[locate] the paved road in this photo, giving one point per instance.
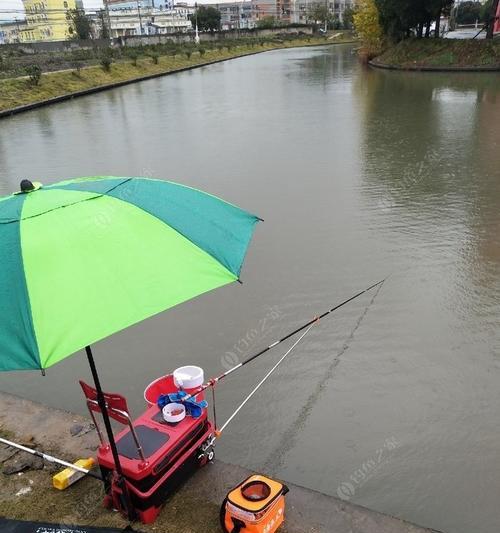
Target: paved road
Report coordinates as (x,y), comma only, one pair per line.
(465,33)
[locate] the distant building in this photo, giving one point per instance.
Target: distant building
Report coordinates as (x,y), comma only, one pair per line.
(336,8)
(170,21)
(285,11)
(248,14)
(10,31)
(235,15)
(148,21)
(146,4)
(264,9)
(496,28)
(47,20)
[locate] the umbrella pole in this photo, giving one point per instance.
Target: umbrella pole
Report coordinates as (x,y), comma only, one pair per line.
(109,430)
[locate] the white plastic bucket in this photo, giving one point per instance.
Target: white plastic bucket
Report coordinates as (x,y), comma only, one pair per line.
(174,412)
(189,377)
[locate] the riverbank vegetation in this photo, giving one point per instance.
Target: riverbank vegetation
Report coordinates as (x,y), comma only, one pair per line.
(441,53)
(409,34)
(90,68)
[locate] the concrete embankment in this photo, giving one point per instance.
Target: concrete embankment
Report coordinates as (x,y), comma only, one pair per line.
(194,508)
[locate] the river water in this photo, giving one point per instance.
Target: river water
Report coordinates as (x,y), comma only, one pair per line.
(394,402)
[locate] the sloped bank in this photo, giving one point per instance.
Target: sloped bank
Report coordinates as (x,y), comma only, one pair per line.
(441,55)
(17,96)
(194,508)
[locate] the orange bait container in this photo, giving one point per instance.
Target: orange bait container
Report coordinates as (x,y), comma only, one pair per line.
(257,505)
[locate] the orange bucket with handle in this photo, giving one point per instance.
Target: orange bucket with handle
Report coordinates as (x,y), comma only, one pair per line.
(257,505)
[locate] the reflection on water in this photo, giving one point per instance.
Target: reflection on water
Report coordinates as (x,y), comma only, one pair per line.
(358,174)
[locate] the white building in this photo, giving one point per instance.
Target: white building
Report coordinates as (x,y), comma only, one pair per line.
(148,21)
(132,4)
(235,15)
(10,32)
(336,8)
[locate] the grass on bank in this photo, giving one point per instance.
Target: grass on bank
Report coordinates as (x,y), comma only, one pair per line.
(31,496)
(20,91)
(461,53)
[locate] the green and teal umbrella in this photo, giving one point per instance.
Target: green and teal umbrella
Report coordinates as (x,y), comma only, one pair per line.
(84,258)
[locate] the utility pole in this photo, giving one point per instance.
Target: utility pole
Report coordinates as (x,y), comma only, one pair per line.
(18,36)
(139,13)
(327,13)
(108,18)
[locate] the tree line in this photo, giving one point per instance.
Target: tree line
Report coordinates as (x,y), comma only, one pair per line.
(402,18)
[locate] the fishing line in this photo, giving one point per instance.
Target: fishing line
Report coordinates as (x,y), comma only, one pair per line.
(261,382)
(215,380)
(275,460)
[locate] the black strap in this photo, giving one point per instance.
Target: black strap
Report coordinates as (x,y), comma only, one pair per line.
(238,525)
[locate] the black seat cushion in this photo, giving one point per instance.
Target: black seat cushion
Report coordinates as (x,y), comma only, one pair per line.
(150,440)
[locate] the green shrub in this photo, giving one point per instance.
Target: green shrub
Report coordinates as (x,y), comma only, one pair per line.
(77,72)
(154,57)
(188,54)
(34,73)
(83,54)
(106,62)
(202,51)
(133,54)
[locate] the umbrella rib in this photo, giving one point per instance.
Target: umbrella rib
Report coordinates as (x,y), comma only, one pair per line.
(97,195)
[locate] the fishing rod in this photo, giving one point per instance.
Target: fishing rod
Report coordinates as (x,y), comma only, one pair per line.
(50,458)
(215,380)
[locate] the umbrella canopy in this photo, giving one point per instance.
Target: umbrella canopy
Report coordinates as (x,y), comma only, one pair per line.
(84,258)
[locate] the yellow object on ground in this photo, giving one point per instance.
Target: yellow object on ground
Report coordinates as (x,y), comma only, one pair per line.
(68,476)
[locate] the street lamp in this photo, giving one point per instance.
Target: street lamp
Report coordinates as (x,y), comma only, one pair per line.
(196,36)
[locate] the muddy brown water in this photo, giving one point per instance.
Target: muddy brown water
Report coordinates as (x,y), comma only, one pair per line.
(392,403)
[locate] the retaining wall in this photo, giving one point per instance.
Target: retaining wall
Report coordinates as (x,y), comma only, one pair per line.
(141,40)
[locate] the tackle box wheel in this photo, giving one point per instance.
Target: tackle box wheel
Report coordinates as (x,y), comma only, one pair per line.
(206,456)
